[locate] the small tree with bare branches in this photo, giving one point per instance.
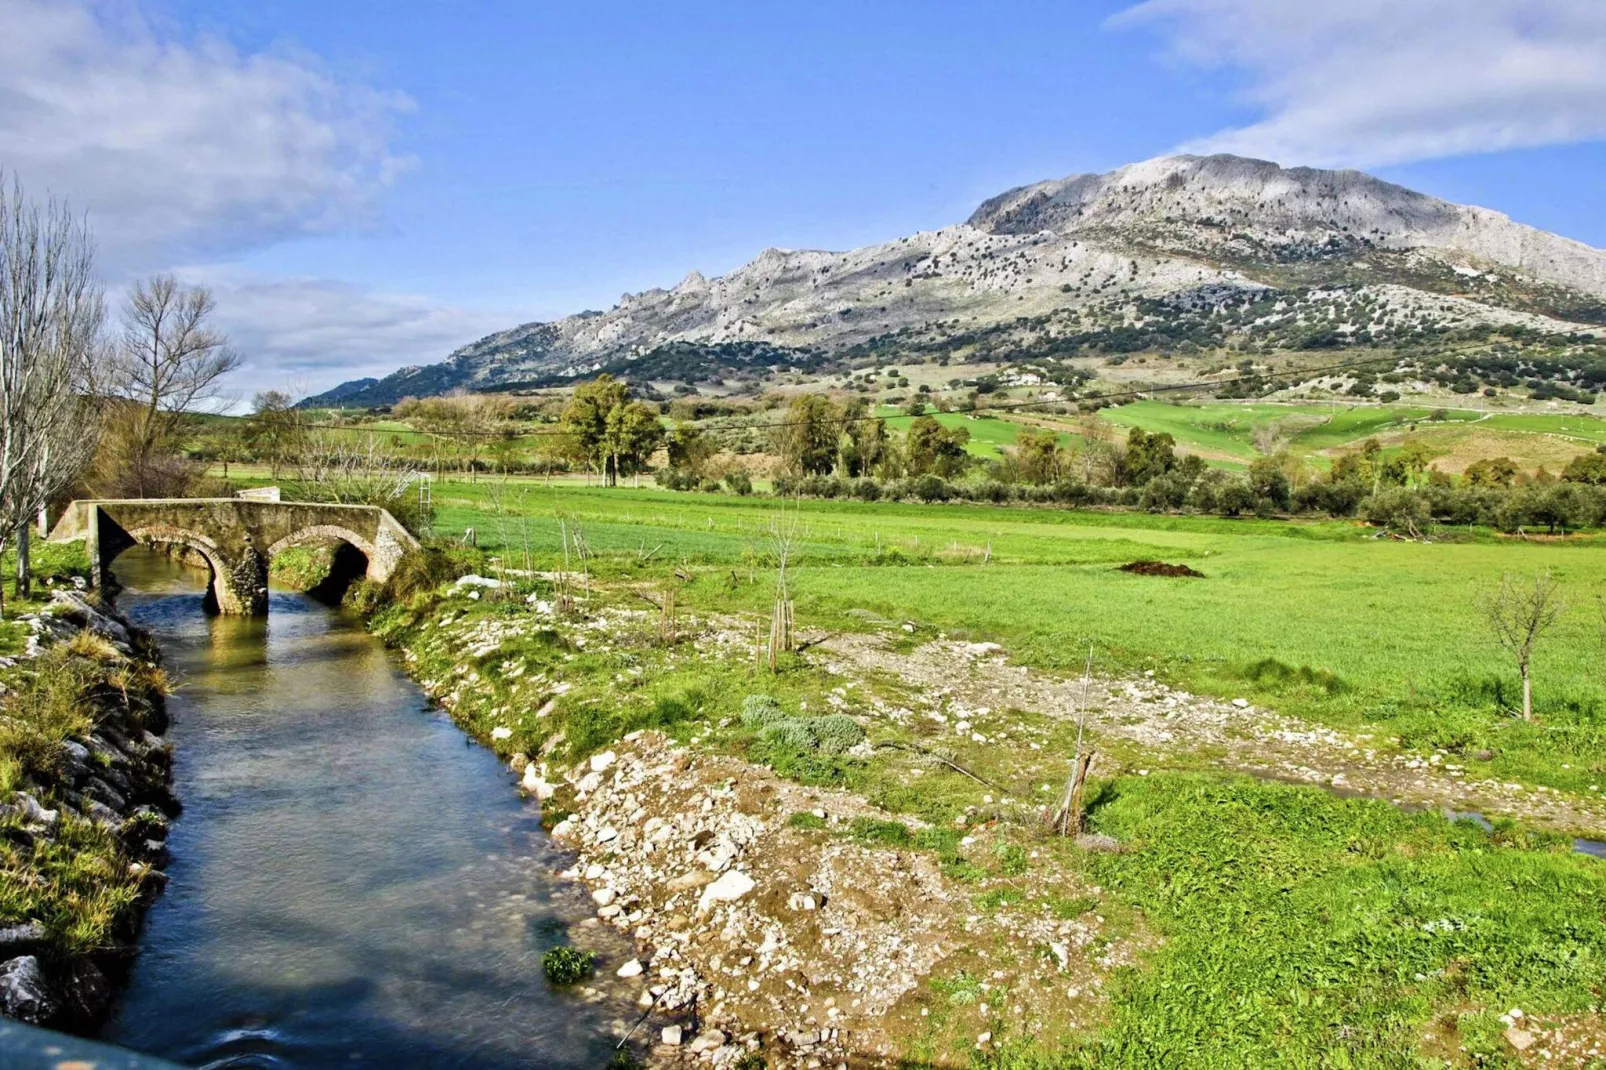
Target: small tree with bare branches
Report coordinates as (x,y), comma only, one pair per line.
(1519,613)
(783,537)
(51,314)
(166,368)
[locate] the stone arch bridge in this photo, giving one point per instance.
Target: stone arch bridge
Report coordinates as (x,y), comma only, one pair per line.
(237,537)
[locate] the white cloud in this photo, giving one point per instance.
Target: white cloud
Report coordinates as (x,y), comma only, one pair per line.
(1372,82)
(182,148)
(305,335)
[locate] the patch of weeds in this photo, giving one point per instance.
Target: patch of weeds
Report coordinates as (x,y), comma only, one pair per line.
(837,733)
(877,833)
(1012,859)
(803,819)
(999,897)
(960,990)
(567,965)
(807,767)
(760,711)
(1068,908)
(1274,675)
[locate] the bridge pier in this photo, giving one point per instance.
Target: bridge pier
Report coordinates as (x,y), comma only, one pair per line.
(240,588)
(237,537)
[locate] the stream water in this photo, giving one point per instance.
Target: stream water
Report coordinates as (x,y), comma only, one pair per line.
(353,882)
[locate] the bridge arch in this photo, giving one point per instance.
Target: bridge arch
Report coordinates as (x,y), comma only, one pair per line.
(222,593)
(351,557)
(238,537)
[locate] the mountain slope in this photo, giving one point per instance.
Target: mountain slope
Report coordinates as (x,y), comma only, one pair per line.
(1163,229)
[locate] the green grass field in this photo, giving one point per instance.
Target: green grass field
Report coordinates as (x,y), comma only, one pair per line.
(1396,623)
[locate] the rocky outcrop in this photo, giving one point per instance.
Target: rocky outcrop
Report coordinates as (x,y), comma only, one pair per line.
(108,788)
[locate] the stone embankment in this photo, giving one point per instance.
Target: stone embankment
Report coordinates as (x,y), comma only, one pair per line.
(97,816)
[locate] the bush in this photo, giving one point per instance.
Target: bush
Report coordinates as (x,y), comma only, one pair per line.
(791,733)
(930,489)
(837,733)
(675,478)
(758,711)
(567,965)
(739,482)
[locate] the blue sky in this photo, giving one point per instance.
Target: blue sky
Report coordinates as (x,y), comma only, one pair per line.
(368,184)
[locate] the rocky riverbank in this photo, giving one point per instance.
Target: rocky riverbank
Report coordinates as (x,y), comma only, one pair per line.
(85,802)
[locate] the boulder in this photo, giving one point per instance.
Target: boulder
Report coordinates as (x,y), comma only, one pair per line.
(731,886)
(697,878)
(24,995)
(537,785)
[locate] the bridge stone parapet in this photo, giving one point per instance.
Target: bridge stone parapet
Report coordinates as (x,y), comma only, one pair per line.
(238,537)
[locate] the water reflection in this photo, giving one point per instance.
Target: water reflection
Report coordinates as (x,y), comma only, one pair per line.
(351,879)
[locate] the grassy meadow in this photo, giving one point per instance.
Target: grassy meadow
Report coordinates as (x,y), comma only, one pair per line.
(1392,628)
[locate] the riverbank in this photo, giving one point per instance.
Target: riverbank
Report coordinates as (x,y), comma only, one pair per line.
(899,899)
(85,802)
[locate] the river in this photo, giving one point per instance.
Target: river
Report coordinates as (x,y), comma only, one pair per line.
(353,881)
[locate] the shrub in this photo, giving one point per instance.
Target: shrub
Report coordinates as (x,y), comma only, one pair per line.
(791,733)
(761,710)
(739,482)
(567,965)
(837,733)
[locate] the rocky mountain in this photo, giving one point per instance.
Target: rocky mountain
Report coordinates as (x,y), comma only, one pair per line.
(1084,254)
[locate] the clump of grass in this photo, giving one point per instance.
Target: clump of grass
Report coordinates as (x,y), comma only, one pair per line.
(803,819)
(761,711)
(49,702)
(880,833)
(567,965)
(1276,675)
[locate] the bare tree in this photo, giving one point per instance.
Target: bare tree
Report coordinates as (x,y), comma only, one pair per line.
(51,313)
(1067,818)
(1519,614)
(168,367)
(784,531)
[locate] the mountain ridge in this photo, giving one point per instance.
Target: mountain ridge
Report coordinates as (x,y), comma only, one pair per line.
(1155,229)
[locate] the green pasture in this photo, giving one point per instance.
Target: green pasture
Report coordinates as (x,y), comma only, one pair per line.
(988,434)
(1392,630)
